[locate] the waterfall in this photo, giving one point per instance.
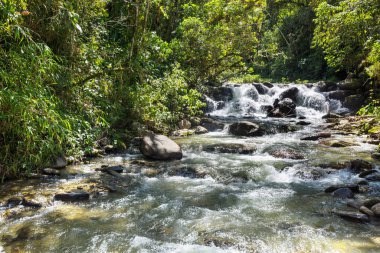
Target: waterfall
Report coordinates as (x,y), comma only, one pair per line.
(254,100)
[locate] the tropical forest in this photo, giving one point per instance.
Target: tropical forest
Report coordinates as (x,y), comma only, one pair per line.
(190,126)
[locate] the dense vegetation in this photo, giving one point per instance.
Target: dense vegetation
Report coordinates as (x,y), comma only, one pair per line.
(73,73)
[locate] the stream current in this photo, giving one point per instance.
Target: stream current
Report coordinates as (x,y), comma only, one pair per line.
(241,203)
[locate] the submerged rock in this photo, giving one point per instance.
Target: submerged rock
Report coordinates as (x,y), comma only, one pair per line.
(352,215)
(286,153)
(187,171)
(246,128)
(230,148)
(72,196)
(303,123)
(160,147)
(343,193)
(21,201)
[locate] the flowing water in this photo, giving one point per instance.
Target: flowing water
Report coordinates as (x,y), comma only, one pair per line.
(240,203)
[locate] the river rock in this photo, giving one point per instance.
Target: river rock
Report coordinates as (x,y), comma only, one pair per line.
(51,172)
(245,128)
(283,108)
(350,84)
(376,210)
(369,203)
(352,187)
(21,201)
(303,123)
(221,93)
(376,156)
(72,196)
(184,124)
(352,215)
(59,163)
(338,143)
(286,153)
(343,193)
(325,86)
(252,93)
(160,147)
(187,171)
(268,85)
(359,166)
(340,94)
(374,177)
(332,116)
(211,125)
(183,132)
(261,89)
(366,211)
(316,137)
(290,93)
(354,102)
(230,148)
(367,172)
(201,130)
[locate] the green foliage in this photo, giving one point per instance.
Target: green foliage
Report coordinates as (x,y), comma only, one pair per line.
(347,31)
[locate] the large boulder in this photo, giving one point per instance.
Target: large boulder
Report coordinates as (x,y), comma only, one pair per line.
(289,93)
(245,128)
(160,147)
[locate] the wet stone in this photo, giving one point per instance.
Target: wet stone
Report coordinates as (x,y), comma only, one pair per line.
(367,172)
(359,166)
(369,203)
(376,156)
(352,215)
(51,172)
(376,210)
(374,177)
(316,137)
(72,196)
(230,148)
(338,143)
(303,123)
(352,187)
(343,193)
(366,211)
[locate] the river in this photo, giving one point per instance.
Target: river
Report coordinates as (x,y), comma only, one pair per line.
(209,201)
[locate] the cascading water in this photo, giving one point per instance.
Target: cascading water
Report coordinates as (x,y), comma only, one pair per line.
(209,202)
(248,102)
